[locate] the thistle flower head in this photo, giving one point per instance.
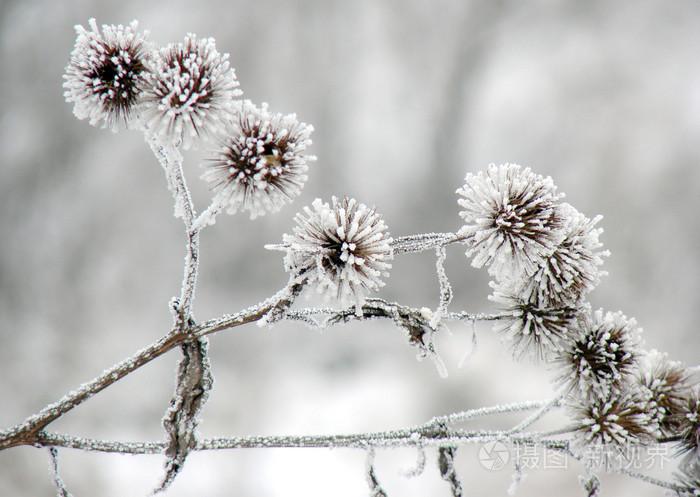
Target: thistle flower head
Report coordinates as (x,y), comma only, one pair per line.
(512,219)
(687,422)
(665,387)
(260,164)
(534,325)
(105,76)
(614,420)
(573,269)
(344,248)
(191,90)
(602,354)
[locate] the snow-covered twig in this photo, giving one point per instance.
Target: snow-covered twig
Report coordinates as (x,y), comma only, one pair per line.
(375,488)
(171,159)
(61,489)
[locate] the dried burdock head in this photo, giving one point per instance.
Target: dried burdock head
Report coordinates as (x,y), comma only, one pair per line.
(344,248)
(614,420)
(665,386)
(687,421)
(602,355)
(535,326)
(105,76)
(573,269)
(191,90)
(512,219)
(260,164)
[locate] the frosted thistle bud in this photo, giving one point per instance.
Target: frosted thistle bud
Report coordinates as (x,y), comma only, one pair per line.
(260,164)
(688,425)
(533,325)
(573,269)
(344,248)
(602,354)
(614,420)
(512,219)
(665,386)
(104,78)
(191,90)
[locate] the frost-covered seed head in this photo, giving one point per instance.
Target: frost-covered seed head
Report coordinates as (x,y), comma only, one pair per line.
(665,387)
(612,420)
(573,269)
(105,76)
(688,425)
(260,164)
(535,326)
(191,90)
(602,355)
(512,219)
(344,247)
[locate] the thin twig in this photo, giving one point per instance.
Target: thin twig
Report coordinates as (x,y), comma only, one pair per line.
(385,439)
(539,414)
(487,411)
(170,159)
(61,489)
(25,432)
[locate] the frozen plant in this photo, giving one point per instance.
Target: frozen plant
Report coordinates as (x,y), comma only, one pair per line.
(190,92)
(260,163)
(545,258)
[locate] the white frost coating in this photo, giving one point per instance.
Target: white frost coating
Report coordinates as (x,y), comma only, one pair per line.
(344,249)
(260,163)
(573,269)
(61,489)
(445,287)
(191,91)
(665,387)
(170,160)
(615,420)
(603,353)
(419,467)
(375,488)
(106,73)
(512,219)
(533,326)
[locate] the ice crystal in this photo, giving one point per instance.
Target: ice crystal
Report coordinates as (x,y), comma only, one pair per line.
(612,420)
(512,219)
(191,90)
(602,354)
(534,325)
(344,248)
(105,76)
(260,164)
(573,269)
(664,385)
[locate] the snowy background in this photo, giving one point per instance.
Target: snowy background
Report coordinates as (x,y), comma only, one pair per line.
(406,97)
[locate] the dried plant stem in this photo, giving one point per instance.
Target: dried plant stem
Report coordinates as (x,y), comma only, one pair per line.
(61,489)
(171,160)
(387,439)
(26,432)
(539,414)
